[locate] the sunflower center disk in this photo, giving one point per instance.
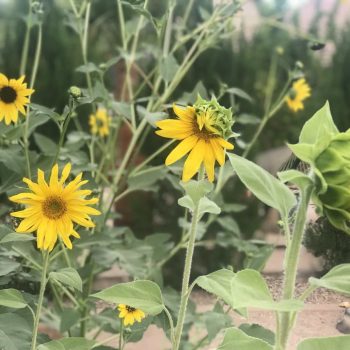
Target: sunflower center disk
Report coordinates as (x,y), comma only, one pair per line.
(8,94)
(129,308)
(54,208)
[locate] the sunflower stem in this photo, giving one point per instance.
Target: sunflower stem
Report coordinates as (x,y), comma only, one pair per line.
(291,265)
(186,277)
(46,256)
(121,333)
(25,48)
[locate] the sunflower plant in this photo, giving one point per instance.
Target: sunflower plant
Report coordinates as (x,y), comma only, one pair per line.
(63,194)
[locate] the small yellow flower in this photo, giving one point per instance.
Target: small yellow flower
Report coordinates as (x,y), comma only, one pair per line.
(99,122)
(13,98)
(52,208)
(199,136)
(130,314)
(298,93)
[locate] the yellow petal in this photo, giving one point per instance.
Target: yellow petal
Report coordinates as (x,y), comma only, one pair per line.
(65,172)
(181,149)
(194,161)
(209,162)
(218,151)
(185,114)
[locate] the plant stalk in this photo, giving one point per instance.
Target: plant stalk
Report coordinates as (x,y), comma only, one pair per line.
(186,278)
(291,265)
(41,298)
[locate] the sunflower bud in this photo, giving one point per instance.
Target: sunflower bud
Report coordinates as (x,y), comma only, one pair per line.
(221,117)
(333,169)
(75,92)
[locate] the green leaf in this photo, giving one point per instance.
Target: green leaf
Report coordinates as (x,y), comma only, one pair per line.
(247,288)
(7,265)
(197,189)
(266,187)
(237,339)
(248,119)
(337,279)
(12,298)
(329,343)
(69,317)
(73,343)
(305,152)
(89,67)
(168,68)
(207,206)
(186,202)
(69,277)
(143,295)
(296,177)
(6,343)
(17,237)
(46,145)
(145,179)
(18,330)
(257,331)
(319,127)
(240,93)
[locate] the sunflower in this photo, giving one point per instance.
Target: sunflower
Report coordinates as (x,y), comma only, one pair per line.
(298,93)
(99,122)
(130,314)
(52,208)
(201,129)
(13,98)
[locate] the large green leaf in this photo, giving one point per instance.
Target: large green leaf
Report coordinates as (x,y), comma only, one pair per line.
(337,279)
(264,186)
(17,237)
(218,283)
(12,298)
(319,126)
(18,331)
(237,339)
(246,288)
(69,277)
(330,343)
(68,344)
(143,295)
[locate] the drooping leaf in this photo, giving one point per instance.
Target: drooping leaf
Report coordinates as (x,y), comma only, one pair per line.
(69,277)
(141,294)
(17,237)
(247,288)
(257,331)
(337,279)
(12,298)
(264,186)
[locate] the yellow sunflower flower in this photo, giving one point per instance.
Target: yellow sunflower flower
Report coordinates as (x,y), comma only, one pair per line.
(52,208)
(99,122)
(13,98)
(298,93)
(130,314)
(201,133)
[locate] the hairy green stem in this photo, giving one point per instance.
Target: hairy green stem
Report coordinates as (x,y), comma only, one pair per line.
(32,82)
(41,298)
(291,265)
(186,277)
(25,48)
(171,324)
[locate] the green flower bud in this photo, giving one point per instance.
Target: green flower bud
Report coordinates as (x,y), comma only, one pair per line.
(75,92)
(332,170)
(222,118)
